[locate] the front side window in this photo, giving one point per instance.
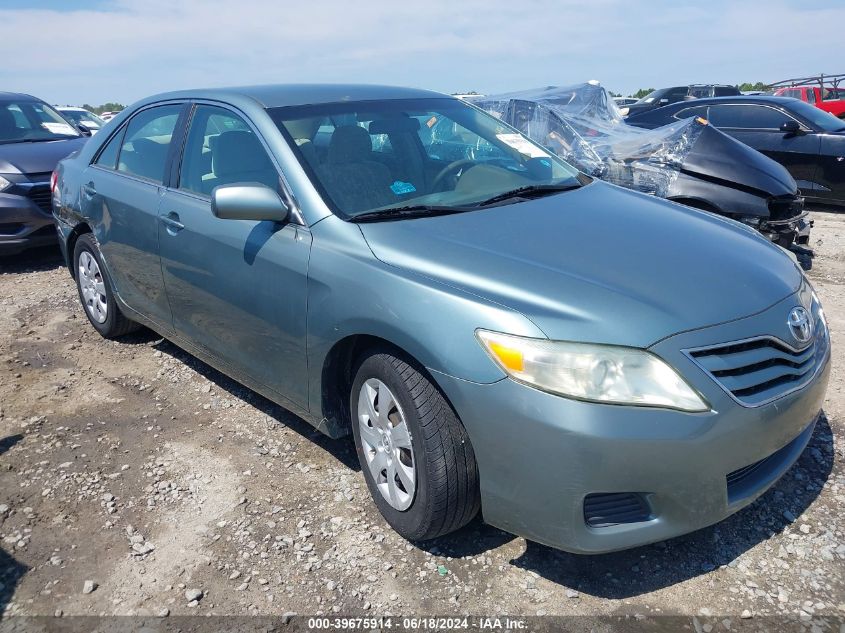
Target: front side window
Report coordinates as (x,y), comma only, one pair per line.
(376,156)
(222,150)
(32,121)
(749,117)
(147,141)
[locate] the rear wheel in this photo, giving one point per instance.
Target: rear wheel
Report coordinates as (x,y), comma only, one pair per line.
(95,291)
(415,454)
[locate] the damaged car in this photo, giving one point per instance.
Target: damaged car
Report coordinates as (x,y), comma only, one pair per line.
(688,161)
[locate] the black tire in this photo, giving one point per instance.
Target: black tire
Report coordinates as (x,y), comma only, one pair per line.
(447,493)
(115,324)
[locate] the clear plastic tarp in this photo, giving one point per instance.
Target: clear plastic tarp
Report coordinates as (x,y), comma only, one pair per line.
(583,125)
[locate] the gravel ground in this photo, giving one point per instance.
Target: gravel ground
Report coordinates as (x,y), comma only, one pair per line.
(134,479)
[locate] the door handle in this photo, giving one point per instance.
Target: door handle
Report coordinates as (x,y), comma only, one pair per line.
(171,221)
(89,190)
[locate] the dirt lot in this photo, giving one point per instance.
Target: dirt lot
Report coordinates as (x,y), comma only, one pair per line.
(136,467)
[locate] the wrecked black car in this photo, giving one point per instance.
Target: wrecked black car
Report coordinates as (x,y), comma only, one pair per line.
(689,162)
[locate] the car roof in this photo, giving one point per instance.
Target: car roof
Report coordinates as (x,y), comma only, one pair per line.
(760,99)
(280,95)
(17,96)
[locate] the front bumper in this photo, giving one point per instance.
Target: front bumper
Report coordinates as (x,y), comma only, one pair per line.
(541,455)
(25,219)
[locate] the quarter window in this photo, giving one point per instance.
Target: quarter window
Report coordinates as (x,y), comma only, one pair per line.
(221,150)
(688,113)
(147,142)
(108,155)
(749,117)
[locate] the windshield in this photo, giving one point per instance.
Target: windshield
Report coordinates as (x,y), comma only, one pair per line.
(818,117)
(29,121)
(654,95)
(378,156)
(83,116)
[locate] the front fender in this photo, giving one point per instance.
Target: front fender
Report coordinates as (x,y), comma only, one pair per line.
(350,292)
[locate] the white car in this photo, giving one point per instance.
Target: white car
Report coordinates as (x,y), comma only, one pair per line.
(81,116)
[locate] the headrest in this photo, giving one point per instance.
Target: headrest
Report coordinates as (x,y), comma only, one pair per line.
(394,125)
(237,152)
(350,144)
(7,120)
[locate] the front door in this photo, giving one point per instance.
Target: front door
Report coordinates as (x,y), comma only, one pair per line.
(759,126)
(237,288)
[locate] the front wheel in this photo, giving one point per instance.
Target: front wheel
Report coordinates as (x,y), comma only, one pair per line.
(415,454)
(95,290)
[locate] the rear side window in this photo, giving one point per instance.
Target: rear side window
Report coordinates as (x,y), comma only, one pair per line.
(108,155)
(222,150)
(688,113)
(147,141)
(749,117)
(811,96)
(725,91)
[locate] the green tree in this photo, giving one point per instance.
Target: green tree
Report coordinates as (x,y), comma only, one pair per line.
(755,86)
(639,94)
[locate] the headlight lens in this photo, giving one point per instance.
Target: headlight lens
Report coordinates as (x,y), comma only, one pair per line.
(599,373)
(4,184)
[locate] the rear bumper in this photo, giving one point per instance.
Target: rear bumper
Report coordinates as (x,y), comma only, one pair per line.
(547,463)
(23,225)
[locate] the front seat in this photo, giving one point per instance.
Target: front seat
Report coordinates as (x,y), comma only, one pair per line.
(8,127)
(239,156)
(355,181)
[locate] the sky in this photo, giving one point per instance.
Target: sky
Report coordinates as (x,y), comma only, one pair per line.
(96,51)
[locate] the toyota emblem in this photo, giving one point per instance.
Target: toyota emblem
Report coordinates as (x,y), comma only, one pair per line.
(800,324)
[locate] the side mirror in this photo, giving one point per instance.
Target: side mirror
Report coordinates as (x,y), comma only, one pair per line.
(248,201)
(84,129)
(791,127)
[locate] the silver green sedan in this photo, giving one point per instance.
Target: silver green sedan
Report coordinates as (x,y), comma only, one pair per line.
(590,367)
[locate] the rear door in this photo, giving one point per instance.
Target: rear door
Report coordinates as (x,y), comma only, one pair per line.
(121,192)
(237,288)
(759,126)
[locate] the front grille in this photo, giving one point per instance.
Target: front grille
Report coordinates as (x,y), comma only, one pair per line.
(614,508)
(42,197)
(760,370)
(10,228)
(785,208)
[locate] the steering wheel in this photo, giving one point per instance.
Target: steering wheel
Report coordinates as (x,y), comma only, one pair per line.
(448,169)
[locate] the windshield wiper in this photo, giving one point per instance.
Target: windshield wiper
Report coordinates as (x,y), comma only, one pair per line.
(411,211)
(527,192)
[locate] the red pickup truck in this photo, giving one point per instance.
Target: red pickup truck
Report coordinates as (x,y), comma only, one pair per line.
(824,92)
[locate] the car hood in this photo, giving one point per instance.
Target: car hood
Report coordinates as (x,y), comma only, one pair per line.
(717,155)
(36,158)
(598,264)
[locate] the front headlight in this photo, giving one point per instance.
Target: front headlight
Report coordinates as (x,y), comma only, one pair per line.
(4,184)
(599,373)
